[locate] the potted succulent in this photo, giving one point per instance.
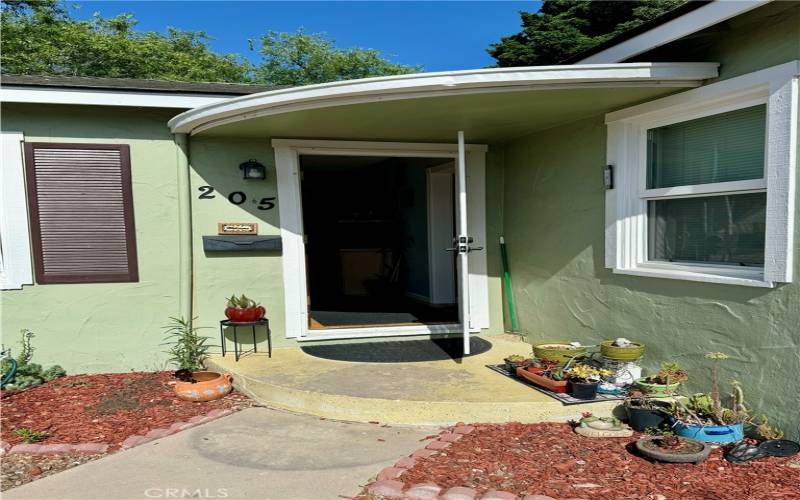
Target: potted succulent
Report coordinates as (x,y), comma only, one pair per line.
(704,417)
(243,309)
(621,349)
(513,362)
(663,383)
(601,427)
(673,449)
(645,413)
(188,352)
(550,377)
(584,379)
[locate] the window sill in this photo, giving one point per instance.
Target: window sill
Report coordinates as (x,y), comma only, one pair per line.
(752,278)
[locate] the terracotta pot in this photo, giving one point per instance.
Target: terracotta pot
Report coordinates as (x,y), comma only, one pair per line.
(209,386)
(559,386)
(535,369)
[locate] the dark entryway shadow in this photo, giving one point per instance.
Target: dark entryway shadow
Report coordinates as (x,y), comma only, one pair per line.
(399,351)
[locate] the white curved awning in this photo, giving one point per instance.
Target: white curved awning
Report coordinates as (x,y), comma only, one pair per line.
(449,83)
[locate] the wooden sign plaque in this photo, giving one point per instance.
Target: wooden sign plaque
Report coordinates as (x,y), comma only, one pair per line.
(237,228)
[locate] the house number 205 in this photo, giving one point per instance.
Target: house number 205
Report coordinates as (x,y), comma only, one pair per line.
(237,198)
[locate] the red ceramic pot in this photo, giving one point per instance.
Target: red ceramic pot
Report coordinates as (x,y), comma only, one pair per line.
(245,314)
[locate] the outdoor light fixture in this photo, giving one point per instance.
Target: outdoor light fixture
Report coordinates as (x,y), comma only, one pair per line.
(253,170)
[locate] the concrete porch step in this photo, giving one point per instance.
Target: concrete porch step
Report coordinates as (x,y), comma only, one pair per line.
(431,393)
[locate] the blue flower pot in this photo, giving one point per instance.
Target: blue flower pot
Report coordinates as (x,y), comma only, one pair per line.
(711,433)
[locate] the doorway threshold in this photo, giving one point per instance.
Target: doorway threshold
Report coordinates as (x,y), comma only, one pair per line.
(379,331)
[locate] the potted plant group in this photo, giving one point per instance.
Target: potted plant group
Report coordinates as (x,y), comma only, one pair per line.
(663,383)
(243,309)
(645,413)
(188,352)
(704,417)
(584,380)
(545,374)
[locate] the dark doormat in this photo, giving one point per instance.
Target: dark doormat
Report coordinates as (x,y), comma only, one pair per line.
(398,351)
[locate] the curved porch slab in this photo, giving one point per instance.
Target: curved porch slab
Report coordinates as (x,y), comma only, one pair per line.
(433,393)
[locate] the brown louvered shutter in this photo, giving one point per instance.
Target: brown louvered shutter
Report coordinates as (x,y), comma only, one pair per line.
(81,209)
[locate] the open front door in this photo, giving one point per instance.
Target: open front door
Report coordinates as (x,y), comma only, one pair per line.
(462,241)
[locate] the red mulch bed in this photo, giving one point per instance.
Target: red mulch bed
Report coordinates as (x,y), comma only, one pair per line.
(550,459)
(103,408)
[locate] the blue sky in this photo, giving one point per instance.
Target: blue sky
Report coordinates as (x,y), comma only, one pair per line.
(438,35)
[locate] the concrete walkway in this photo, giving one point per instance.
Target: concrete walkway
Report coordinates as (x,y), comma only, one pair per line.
(256,453)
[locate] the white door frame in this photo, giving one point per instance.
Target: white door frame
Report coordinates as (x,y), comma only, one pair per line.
(290,206)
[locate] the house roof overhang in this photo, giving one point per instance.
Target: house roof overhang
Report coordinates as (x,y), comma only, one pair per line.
(489,104)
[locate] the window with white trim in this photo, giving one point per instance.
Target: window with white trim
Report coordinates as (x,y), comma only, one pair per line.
(704,182)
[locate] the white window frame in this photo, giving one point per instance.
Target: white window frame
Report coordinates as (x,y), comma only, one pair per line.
(626,203)
(15,242)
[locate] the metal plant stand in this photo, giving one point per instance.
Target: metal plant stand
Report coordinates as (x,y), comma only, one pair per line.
(237,349)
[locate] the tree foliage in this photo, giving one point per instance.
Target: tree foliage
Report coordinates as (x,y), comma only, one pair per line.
(563,28)
(301,58)
(41,37)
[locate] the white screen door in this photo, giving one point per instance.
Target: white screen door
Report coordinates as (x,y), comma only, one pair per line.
(462,241)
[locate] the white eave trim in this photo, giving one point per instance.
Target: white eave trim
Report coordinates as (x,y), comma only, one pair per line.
(691,22)
(106,97)
(442,84)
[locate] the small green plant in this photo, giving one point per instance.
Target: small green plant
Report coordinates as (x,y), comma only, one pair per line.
(587,373)
(188,349)
(670,373)
(75,383)
(242,302)
(515,358)
(659,431)
(30,436)
(766,431)
(26,347)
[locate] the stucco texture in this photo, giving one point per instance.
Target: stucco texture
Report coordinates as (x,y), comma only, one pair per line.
(554,227)
(96,327)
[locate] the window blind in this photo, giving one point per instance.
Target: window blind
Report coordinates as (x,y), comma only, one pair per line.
(81,209)
(720,148)
(714,229)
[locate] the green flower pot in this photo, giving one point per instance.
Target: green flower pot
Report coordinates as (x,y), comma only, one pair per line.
(657,390)
(557,352)
(615,353)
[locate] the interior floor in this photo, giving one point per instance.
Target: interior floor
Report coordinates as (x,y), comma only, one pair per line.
(368,256)
(352,314)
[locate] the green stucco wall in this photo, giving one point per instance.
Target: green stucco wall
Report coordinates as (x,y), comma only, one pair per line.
(215,162)
(98,327)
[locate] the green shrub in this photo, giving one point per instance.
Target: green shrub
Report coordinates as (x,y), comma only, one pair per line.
(53,373)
